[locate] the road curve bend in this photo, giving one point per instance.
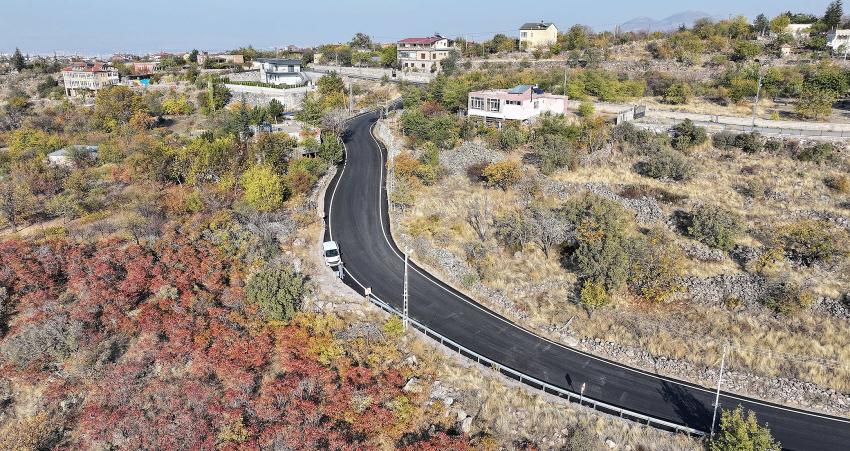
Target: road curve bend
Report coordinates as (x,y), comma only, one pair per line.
(356,217)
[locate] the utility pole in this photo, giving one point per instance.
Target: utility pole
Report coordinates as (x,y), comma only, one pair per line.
(406,297)
(350,96)
(717,395)
(565,77)
(758,93)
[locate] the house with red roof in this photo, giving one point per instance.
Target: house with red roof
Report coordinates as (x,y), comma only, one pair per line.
(423,54)
(83,76)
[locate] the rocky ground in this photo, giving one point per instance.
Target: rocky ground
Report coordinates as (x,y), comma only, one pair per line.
(711,291)
(475,399)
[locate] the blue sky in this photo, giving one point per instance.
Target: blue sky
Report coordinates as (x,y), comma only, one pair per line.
(106,26)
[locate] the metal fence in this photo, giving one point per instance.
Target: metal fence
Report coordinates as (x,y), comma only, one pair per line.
(767,131)
(536,383)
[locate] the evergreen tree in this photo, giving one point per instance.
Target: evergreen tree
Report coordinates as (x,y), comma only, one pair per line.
(742,433)
(761,24)
(833,14)
(18,61)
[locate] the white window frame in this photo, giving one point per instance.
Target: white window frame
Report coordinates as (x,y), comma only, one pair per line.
(476,103)
(494,105)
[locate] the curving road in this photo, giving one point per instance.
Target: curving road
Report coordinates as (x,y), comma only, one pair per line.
(356,216)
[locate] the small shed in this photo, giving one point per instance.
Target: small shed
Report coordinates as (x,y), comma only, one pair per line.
(64,156)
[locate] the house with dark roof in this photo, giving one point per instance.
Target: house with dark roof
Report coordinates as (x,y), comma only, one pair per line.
(281,71)
(423,54)
(537,35)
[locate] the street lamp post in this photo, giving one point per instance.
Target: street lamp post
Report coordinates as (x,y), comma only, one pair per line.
(717,395)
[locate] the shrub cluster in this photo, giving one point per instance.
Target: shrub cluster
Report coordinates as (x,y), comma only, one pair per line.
(667,164)
(715,227)
(687,135)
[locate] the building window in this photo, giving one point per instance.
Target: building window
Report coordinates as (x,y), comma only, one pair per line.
(493,105)
(423,65)
(524,34)
(513,102)
(422,56)
(476,103)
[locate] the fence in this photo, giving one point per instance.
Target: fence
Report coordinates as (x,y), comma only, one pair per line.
(536,383)
(374,73)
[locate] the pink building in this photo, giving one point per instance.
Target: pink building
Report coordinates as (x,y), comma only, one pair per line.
(522,104)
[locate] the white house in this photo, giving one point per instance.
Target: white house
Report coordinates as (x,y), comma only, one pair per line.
(537,35)
(279,71)
(799,30)
(838,41)
(519,104)
(423,54)
(85,76)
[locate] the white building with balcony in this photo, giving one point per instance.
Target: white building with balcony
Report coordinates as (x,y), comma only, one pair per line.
(82,77)
(279,71)
(423,54)
(519,104)
(838,41)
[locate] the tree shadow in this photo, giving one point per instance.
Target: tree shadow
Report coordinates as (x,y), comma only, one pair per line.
(690,410)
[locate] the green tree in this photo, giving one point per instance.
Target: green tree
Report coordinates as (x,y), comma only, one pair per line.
(193,56)
(449,64)
(389,56)
(277,290)
(780,23)
(814,103)
(742,433)
(330,84)
(18,61)
(115,106)
(678,94)
(16,200)
(761,25)
(361,41)
(743,50)
(832,16)
(600,253)
(275,109)
(263,188)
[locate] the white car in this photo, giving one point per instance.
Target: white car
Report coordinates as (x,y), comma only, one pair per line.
(331,252)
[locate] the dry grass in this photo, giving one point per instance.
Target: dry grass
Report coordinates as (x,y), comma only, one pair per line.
(510,413)
(812,349)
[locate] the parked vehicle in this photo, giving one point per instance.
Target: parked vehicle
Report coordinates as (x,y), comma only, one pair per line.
(331,252)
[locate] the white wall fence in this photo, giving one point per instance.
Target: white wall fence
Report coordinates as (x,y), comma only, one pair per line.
(291,98)
(374,73)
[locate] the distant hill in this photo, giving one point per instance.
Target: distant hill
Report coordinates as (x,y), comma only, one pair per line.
(668,23)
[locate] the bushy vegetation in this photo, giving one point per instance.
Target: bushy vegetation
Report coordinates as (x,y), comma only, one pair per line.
(687,135)
(667,164)
(740,432)
(715,226)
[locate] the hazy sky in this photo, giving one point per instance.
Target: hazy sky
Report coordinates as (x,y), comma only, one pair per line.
(106,26)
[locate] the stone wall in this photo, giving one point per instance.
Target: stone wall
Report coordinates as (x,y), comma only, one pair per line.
(375,73)
(291,99)
(249,75)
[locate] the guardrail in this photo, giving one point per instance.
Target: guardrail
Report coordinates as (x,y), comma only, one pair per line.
(536,383)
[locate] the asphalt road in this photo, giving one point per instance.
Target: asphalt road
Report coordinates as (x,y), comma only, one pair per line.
(356,215)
